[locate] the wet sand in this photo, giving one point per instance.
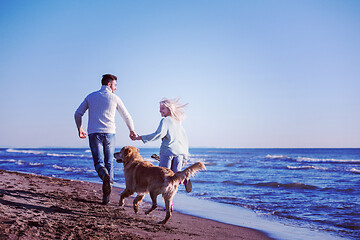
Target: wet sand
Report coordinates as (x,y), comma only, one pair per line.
(38,207)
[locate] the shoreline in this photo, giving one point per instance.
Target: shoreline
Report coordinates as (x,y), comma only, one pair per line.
(40,207)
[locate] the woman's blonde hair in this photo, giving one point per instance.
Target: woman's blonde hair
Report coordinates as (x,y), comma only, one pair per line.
(177,109)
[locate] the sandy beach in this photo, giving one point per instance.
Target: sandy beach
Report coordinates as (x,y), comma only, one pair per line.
(38,207)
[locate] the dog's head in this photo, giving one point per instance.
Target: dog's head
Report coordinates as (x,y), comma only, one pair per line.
(126,153)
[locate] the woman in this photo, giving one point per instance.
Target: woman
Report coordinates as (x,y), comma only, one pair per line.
(174,150)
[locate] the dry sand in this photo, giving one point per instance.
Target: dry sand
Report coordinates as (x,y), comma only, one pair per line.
(38,207)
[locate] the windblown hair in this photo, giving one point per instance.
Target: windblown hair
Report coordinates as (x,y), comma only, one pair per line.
(177,109)
(106,78)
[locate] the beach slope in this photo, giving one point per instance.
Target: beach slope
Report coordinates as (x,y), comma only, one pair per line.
(38,207)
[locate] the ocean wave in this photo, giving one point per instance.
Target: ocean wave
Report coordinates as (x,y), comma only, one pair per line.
(303,186)
(194,160)
(313,160)
(327,160)
(354,170)
(7,160)
(278,157)
(202,181)
(331,189)
(210,163)
(296,185)
(36,164)
(65,155)
(233,183)
(21,162)
(217,171)
(306,167)
(24,151)
(232,164)
(71,169)
(10,150)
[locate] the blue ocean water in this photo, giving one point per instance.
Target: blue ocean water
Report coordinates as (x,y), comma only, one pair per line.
(315,189)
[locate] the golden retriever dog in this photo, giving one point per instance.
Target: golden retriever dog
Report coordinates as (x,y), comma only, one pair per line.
(143,177)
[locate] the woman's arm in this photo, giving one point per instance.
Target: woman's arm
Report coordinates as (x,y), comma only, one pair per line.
(158,134)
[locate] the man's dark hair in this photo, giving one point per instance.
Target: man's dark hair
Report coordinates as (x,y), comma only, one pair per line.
(106,78)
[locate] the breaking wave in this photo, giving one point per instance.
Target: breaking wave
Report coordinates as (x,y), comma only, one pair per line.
(328,160)
(20,162)
(312,160)
(10,150)
(279,157)
(306,167)
(23,151)
(354,170)
(71,169)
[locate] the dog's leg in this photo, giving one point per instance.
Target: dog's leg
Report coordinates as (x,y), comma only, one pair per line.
(168,202)
(137,200)
(154,203)
(126,193)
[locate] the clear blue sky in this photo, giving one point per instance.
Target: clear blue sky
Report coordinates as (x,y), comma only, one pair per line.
(255,73)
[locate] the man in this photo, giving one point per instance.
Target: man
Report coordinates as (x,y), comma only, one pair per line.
(102,107)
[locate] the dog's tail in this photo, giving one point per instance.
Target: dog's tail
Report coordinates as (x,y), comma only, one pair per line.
(188,172)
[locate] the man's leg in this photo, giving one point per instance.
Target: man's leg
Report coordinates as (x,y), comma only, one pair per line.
(96,146)
(109,149)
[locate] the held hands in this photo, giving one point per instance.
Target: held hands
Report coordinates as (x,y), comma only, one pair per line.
(133,135)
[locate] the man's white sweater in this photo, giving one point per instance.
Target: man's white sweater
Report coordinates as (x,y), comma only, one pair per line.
(102,107)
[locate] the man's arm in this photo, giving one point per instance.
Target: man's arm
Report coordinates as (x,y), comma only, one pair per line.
(126,116)
(78,118)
